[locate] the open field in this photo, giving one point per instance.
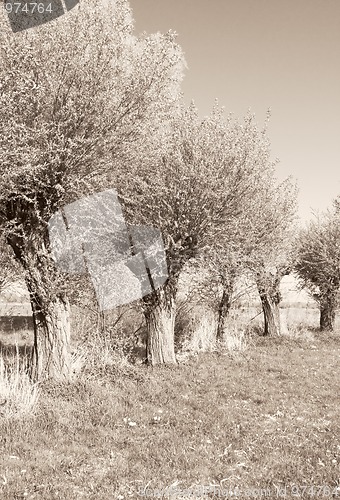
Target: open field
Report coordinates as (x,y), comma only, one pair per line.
(262,417)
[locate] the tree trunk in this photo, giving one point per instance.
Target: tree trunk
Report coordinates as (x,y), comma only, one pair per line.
(101,323)
(271,313)
(51,354)
(160,325)
(268,286)
(223,312)
(327,314)
(50,308)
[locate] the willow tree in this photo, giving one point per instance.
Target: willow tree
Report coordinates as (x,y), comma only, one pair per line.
(255,246)
(318,263)
(75,93)
(191,181)
(269,251)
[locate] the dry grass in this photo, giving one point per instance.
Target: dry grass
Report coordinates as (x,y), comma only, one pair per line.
(18,395)
(268,419)
(199,335)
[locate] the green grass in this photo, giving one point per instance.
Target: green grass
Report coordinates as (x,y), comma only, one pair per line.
(266,418)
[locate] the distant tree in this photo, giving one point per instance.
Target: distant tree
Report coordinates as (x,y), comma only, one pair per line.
(318,263)
(260,251)
(192,182)
(257,245)
(269,252)
(216,274)
(75,94)
(229,270)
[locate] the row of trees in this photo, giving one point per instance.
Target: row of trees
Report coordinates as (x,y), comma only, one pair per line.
(210,187)
(76,95)
(86,106)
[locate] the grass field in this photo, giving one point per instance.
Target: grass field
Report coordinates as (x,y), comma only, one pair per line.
(258,421)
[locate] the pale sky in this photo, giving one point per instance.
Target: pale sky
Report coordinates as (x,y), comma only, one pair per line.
(260,54)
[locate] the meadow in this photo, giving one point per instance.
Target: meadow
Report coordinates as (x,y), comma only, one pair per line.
(252,417)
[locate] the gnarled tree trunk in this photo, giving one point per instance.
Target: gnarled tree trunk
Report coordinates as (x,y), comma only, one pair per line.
(223,312)
(160,325)
(159,311)
(51,354)
(227,277)
(101,323)
(271,313)
(268,285)
(327,313)
(159,307)
(50,308)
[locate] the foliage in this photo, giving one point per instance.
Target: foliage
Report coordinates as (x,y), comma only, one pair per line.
(74,95)
(318,262)
(256,245)
(194,182)
(269,250)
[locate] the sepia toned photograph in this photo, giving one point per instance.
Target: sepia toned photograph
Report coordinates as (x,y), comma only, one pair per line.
(169,249)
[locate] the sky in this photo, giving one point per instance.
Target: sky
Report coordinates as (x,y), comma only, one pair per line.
(260,54)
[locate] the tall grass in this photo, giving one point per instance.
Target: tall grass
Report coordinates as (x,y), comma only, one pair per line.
(199,335)
(202,336)
(18,394)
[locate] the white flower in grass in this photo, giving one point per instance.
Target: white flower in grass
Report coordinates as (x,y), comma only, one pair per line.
(128,421)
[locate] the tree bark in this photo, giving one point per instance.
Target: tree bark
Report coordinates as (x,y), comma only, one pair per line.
(160,326)
(268,286)
(101,323)
(223,312)
(327,314)
(159,307)
(51,357)
(271,314)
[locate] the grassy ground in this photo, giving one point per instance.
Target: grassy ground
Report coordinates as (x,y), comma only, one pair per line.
(259,423)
